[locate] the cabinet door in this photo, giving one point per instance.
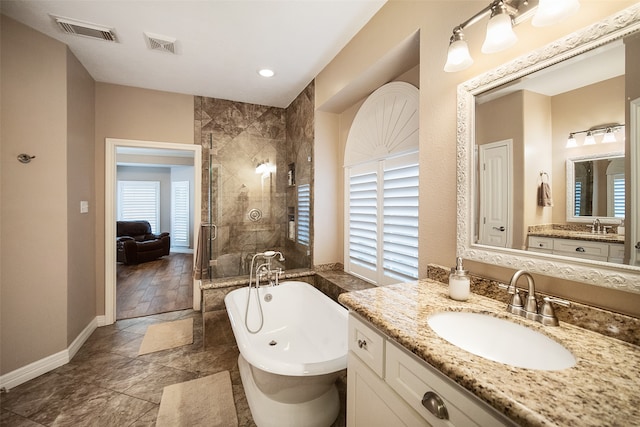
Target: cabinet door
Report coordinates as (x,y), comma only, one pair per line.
(371,403)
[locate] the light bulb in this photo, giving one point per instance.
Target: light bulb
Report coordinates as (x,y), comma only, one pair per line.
(500,35)
(551,12)
(589,139)
(609,136)
(458,57)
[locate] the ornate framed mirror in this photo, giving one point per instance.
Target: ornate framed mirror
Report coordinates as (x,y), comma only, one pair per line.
(568,50)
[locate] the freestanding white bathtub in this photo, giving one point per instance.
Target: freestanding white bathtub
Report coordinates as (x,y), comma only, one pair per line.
(290,366)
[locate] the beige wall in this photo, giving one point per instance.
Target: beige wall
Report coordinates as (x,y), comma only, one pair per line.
(33,229)
(81,290)
(394,23)
(537,155)
(125,112)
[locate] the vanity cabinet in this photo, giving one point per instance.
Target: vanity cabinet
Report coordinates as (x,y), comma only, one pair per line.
(596,251)
(386,386)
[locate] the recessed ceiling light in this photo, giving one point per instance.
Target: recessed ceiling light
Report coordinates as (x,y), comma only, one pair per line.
(265,72)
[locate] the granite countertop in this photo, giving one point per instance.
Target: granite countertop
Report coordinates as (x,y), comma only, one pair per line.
(601,389)
(579,235)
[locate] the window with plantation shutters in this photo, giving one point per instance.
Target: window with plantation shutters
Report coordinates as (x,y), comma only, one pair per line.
(304,208)
(139,200)
(381,187)
(383,220)
(180,213)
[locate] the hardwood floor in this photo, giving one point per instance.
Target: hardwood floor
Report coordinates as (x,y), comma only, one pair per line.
(154,287)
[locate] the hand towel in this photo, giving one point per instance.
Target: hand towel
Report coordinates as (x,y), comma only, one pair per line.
(544,195)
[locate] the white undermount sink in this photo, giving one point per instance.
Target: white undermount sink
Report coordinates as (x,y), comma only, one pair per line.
(501,340)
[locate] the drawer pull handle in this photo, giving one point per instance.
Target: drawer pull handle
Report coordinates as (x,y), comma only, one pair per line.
(362,344)
(435,405)
(580,249)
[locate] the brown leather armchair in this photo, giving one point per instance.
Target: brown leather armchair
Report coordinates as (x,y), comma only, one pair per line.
(136,243)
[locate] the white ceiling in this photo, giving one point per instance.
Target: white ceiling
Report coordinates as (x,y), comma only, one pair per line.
(220,43)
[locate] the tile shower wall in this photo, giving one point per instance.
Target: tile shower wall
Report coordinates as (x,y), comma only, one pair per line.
(248,208)
(300,138)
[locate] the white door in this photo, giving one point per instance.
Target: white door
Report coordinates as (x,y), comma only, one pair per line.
(495,194)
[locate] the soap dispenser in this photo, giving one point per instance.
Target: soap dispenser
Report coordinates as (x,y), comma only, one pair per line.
(459,282)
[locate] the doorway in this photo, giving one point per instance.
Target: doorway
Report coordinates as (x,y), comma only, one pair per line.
(496,214)
(112,147)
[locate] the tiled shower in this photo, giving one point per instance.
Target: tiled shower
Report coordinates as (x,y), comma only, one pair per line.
(255,160)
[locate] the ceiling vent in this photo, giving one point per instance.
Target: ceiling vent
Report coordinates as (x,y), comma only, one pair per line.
(161,43)
(85,29)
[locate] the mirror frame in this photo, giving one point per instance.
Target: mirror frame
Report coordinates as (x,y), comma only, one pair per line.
(571,179)
(615,276)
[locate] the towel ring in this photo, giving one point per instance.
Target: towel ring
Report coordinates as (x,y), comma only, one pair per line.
(542,177)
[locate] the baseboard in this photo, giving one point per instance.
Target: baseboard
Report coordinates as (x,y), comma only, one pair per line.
(82,337)
(49,363)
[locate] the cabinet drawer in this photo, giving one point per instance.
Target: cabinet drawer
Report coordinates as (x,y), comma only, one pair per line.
(412,378)
(367,344)
(536,242)
(580,248)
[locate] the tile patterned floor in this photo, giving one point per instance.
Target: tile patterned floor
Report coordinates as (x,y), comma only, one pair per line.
(107,384)
(154,287)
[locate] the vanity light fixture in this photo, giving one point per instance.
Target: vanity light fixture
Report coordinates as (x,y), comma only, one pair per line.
(608,133)
(504,15)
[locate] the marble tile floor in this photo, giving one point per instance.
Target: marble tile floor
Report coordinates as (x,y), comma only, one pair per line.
(107,384)
(153,287)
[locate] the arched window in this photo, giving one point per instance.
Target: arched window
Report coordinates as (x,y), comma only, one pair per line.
(381,187)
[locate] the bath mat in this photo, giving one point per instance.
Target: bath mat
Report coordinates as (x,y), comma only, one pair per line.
(167,335)
(204,401)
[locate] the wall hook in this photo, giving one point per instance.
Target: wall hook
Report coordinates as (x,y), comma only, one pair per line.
(25,158)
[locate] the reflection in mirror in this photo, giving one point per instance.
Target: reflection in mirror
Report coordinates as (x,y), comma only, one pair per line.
(596,188)
(512,170)
(521,138)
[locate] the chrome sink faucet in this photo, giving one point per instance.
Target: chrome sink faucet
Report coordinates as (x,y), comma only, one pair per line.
(596,227)
(530,310)
(546,315)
